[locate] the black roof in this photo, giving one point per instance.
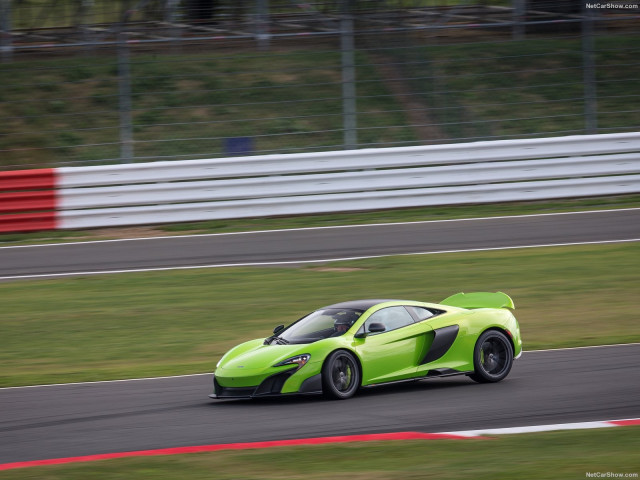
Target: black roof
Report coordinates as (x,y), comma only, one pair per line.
(359,304)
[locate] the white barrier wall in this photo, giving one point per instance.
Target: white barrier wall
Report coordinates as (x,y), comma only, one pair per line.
(295,184)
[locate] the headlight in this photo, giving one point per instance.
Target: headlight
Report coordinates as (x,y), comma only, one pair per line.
(300,360)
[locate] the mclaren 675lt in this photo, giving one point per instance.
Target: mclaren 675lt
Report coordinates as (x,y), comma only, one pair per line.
(341,348)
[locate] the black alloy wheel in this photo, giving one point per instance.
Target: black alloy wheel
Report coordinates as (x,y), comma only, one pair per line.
(492,357)
(340,375)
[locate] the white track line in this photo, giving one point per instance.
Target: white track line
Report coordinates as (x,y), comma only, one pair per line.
(540,428)
(301,262)
(582,348)
(300,229)
(106,381)
(210,373)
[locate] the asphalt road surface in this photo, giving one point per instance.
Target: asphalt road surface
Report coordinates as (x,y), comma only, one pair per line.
(544,387)
(319,244)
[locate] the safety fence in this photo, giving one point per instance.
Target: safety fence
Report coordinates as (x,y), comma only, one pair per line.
(308,183)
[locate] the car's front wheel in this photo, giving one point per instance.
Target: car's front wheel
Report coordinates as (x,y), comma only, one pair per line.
(492,357)
(340,375)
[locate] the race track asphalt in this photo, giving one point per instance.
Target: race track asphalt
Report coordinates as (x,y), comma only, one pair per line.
(319,244)
(544,387)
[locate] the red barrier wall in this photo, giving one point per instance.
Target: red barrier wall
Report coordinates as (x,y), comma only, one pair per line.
(27,222)
(27,200)
(41,179)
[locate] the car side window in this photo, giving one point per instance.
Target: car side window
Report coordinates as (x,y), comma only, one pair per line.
(391,317)
(421,313)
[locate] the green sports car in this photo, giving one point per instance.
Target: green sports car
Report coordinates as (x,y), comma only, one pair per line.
(343,347)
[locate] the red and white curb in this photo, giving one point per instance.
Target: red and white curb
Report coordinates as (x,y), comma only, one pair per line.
(374,437)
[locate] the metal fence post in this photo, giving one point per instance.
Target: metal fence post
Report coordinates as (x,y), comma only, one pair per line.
(589,73)
(348,76)
(170,11)
(84,9)
(124,98)
(5,31)
(518,17)
(262,24)
(175,31)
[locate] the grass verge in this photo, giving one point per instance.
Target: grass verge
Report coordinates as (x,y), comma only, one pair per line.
(522,88)
(165,323)
(188,105)
(562,454)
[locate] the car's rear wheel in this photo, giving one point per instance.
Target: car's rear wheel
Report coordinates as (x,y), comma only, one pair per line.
(340,375)
(492,357)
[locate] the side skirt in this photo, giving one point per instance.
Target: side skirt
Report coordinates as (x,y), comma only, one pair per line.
(439,373)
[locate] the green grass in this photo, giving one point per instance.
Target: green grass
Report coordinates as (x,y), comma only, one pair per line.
(187,105)
(443,212)
(552,455)
(524,88)
(163,323)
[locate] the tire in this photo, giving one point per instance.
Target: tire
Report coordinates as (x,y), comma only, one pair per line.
(492,357)
(340,375)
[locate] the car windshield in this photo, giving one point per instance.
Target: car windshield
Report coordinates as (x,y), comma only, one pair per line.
(324,323)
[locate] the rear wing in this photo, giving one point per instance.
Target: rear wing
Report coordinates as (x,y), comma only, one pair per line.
(479,300)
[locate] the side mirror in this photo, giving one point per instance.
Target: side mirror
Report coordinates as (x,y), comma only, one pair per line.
(373,328)
(376,328)
(278,329)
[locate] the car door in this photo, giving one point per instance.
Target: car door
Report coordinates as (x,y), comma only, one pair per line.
(391,354)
